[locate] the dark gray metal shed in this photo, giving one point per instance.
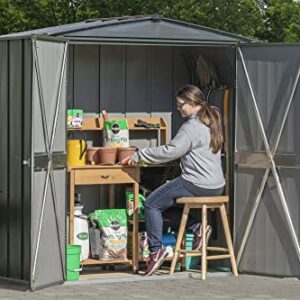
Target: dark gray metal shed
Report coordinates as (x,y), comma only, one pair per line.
(132,66)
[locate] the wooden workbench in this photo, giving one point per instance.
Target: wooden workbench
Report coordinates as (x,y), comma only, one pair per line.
(111,175)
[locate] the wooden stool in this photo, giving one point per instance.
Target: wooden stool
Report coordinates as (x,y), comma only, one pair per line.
(205,203)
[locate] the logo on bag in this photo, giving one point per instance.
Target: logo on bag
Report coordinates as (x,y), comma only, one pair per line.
(115,128)
(115,225)
(82,236)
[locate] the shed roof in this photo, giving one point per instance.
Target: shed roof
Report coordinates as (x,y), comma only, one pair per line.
(153,29)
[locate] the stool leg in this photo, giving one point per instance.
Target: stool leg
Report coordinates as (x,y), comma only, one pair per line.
(180,236)
(228,239)
(203,256)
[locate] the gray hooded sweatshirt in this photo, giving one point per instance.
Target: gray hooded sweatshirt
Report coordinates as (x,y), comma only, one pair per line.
(199,165)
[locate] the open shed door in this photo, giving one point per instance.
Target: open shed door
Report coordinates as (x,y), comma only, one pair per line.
(48,162)
(267,160)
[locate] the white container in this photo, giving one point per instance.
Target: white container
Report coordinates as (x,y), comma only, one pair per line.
(81,231)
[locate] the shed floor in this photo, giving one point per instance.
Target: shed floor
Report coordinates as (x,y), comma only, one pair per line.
(123,274)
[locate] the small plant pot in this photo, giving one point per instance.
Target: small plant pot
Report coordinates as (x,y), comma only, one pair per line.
(124,152)
(107,155)
(92,156)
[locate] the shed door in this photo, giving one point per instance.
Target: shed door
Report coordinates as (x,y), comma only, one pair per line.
(49,162)
(267,159)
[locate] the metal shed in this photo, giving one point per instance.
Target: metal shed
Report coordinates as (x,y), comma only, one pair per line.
(132,66)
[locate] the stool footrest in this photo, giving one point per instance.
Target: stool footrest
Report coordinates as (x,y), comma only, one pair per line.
(223,256)
(217,249)
(190,252)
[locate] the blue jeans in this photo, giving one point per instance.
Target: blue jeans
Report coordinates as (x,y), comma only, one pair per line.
(161,203)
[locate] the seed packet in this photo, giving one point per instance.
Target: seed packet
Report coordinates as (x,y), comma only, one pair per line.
(75,118)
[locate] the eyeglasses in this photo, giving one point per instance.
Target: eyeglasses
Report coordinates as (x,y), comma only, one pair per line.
(180,104)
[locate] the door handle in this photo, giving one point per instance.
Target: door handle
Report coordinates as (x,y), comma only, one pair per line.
(26,162)
(104,176)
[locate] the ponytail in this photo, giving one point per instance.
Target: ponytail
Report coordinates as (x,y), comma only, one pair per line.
(210,116)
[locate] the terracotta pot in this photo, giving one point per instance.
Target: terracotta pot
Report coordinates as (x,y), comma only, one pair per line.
(107,155)
(92,155)
(124,152)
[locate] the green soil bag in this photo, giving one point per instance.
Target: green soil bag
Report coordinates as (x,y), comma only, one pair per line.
(116,133)
(113,225)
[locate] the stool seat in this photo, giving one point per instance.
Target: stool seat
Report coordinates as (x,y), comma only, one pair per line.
(202,200)
(204,203)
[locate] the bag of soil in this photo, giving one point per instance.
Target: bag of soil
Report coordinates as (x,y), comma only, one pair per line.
(116,133)
(113,224)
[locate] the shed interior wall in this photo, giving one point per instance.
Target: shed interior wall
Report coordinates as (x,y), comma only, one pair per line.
(137,81)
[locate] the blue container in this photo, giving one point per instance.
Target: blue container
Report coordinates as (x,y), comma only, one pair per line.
(191,262)
(168,239)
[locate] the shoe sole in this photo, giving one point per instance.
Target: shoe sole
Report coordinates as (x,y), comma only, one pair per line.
(158,264)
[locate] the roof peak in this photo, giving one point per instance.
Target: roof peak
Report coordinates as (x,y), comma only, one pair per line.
(154,17)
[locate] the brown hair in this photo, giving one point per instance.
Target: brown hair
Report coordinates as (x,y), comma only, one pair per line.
(208,115)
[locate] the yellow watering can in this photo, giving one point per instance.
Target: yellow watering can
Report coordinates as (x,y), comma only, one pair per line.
(76,151)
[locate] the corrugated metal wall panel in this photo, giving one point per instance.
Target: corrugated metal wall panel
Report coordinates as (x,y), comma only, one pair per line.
(50,76)
(48,264)
(181,76)
(269,248)
(86,78)
(161,79)
(70,77)
(112,78)
(27,134)
(290,142)
(247,137)
(4,72)
(246,185)
(15,210)
(137,79)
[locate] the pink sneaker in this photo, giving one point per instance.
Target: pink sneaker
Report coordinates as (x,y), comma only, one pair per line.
(197,241)
(155,261)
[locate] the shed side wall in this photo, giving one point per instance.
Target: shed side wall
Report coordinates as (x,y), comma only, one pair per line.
(15,206)
(27,138)
(15,66)
(3,157)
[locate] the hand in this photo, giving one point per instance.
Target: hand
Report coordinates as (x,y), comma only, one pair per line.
(128,161)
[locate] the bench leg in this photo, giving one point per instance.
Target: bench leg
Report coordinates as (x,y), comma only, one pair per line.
(181,231)
(204,242)
(228,239)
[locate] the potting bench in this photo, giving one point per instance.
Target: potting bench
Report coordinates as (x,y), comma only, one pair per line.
(112,175)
